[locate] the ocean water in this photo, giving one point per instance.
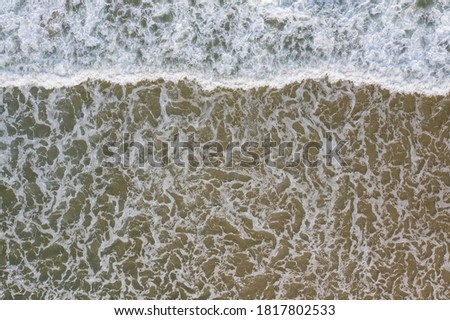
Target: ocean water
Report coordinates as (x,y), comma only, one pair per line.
(82,81)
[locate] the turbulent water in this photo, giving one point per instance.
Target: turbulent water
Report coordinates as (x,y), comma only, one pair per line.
(82,81)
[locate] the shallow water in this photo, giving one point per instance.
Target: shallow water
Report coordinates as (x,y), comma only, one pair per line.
(85,84)
(73,227)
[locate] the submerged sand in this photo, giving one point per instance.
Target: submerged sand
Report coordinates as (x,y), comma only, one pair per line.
(377,227)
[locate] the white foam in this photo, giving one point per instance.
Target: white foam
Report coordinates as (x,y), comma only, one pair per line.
(358,78)
(393,44)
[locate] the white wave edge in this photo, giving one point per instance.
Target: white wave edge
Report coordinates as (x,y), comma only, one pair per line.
(51,81)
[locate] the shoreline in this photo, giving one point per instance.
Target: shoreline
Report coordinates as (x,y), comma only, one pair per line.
(210,83)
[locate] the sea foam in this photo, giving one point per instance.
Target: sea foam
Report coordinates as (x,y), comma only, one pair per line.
(401,45)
